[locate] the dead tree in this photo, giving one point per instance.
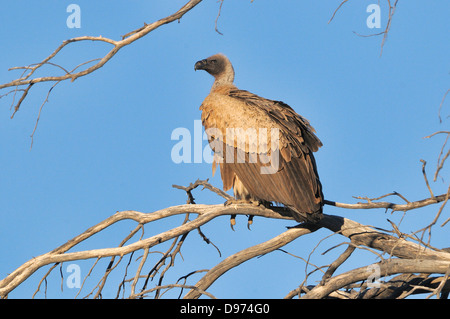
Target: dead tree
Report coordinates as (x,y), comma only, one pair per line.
(406,255)
(408,262)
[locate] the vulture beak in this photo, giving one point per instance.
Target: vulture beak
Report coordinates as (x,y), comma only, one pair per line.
(200,65)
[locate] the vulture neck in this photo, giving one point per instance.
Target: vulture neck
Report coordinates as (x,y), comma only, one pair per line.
(225,77)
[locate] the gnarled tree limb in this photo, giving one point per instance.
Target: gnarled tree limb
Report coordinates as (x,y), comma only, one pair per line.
(358,233)
(26,80)
(387,267)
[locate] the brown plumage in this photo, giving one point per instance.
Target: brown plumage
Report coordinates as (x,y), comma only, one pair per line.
(264,149)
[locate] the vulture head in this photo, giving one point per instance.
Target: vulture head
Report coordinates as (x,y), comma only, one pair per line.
(218,66)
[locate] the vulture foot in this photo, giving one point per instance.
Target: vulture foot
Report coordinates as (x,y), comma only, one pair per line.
(243,201)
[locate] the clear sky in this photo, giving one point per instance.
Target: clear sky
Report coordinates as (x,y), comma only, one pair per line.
(103,143)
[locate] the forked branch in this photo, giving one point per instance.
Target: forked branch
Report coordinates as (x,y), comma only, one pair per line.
(359,234)
(26,81)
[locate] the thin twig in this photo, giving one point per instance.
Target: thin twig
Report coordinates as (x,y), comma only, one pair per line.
(442,103)
(28,81)
(217,18)
(424,163)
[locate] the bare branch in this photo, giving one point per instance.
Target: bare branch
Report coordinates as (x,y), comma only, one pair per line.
(26,80)
(442,103)
(246,254)
(170,286)
(334,266)
(387,205)
(205,214)
(337,9)
(387,267)
(359,234)
(424,163)
(392,8)
(217,18)
(440,163)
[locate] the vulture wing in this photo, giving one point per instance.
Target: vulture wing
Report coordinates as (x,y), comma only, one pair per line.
(266,146)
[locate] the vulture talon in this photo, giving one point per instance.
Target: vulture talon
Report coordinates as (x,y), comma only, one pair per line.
(232,221)
(250,221)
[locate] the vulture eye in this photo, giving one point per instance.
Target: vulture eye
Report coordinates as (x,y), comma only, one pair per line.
(213,61)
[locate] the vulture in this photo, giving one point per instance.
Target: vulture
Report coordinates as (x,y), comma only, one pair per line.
(263,147)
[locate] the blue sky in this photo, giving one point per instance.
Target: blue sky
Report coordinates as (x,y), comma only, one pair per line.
(103,142)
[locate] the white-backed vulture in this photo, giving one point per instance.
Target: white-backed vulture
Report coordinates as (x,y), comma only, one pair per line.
(263,147)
